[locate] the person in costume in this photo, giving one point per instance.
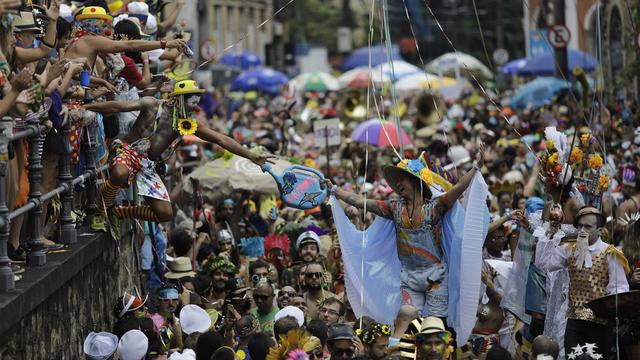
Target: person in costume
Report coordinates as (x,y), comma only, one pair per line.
(426,338)
(596,269)
(417,217)
(375,338)
(137,155)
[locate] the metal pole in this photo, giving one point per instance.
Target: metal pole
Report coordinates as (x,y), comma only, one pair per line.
(36,256)
(560,53)
(90,161)
(326,144)
(7,281)
(66,232)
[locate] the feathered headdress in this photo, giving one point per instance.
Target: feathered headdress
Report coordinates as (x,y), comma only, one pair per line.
(273,241)
(293,346)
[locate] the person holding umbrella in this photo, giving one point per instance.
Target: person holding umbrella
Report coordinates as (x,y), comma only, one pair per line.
(418,219)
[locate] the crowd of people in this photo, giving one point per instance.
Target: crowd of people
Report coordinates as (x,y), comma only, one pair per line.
(549,194)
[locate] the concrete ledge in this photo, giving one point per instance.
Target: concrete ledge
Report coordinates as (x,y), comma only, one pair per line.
(38,283)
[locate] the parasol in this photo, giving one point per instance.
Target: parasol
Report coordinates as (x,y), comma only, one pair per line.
(377,135)
(315,81)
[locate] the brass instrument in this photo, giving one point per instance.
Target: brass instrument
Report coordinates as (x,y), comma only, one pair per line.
(353,107)
(431,108)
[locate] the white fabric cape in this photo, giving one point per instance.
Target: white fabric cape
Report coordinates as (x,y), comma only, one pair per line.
(372,267)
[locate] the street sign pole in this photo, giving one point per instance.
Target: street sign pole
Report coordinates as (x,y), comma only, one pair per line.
(326,143)
(560,52)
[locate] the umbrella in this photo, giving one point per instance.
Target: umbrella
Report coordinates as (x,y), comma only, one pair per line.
(538,91)
(262,79)
(224,176)
(244,60)
(361,78)
(513,67)
(545,64)
(377,134)
(401,69)
(315,81)
(423,81)
(447,65)
(360,57)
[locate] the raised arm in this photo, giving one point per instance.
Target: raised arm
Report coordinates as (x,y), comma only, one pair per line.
(206,134)
(172,17)
(359,201)
(48,41)
(110,107)
(104,45)
(454,194)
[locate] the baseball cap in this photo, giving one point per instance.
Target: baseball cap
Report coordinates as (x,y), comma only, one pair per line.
(340,332)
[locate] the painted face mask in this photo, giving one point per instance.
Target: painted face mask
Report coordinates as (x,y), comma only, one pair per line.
(95,26)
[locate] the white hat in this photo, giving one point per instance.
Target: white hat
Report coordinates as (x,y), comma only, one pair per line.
(307,235)
(152,25)
(133,345)
(66,13)
(100,346)
(193,318)
(290,311)
(138,8)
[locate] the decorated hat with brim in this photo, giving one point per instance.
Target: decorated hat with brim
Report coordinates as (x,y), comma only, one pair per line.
(418,168)
(186,87)
(94,12)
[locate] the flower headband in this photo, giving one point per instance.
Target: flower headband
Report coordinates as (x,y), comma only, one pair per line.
(370,335)
(217,263)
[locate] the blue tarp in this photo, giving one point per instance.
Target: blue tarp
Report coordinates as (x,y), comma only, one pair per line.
(545,64)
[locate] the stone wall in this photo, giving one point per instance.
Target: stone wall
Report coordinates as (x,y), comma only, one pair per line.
(56,328)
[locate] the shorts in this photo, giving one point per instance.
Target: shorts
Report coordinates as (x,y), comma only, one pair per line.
(149,183)
(416,289)
(127,156)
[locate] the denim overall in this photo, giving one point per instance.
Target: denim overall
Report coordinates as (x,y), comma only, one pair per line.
(424,272)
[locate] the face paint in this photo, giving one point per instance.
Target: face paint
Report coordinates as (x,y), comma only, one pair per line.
(193,100)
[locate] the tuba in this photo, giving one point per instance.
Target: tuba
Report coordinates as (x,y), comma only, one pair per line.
(430,108)
(353,107)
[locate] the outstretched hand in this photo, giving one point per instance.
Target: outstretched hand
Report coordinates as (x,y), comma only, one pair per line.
(480,155)
(262,159)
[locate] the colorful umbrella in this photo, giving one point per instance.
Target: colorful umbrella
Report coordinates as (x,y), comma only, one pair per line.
(545,64)
(315,81)
(362,77)
(244,60)
(381,133)
(260,79)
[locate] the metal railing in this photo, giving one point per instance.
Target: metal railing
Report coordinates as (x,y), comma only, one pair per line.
(66,229)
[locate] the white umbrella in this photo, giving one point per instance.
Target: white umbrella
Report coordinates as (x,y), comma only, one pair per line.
(401,69)
(422,81)
(315,80)
(361,77)
(448,62)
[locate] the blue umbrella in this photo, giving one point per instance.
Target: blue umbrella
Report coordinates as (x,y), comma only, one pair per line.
(538,91)
(260,79)
(245,60)
(513,67)
(545,64)
(360,57)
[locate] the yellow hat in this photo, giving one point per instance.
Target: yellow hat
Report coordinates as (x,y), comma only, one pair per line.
(186,87)
(115,6)
(94,12)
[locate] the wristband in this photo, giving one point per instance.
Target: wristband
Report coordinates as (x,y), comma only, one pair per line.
(47,44)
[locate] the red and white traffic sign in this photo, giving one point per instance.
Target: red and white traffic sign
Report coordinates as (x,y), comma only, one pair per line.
(559,36)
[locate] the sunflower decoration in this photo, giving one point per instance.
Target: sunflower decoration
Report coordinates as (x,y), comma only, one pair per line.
(187,126)
(369,334)
(595,161)
(576,156)
(603,182)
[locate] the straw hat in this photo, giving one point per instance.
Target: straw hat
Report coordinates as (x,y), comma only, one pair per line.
(25,22)
(417,168)
(94,12)
(180,267)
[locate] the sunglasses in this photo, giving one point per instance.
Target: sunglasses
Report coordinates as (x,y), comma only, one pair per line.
(287,293)
(342,352)
(313,275)
(257,297)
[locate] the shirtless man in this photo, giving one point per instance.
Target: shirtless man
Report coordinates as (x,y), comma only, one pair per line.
(89,40)
(158,125)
